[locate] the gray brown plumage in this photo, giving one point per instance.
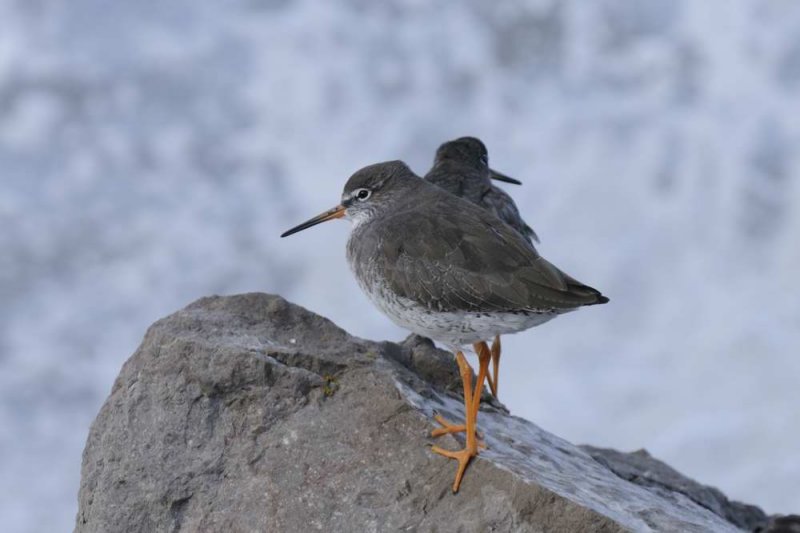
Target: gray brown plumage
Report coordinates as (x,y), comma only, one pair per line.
(461,167)
(447,269)
(445,254)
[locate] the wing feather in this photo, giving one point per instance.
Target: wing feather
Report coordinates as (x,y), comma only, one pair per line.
(500,203)
(468,262)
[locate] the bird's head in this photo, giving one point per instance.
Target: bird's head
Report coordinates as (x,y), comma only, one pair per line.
(469,152)
(464,151)
(369,192)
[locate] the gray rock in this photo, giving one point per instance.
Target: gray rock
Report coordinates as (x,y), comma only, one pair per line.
(643,469)
(248,413)
(781,524)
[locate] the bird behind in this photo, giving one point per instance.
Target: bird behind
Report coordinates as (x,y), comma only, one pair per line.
(461,167)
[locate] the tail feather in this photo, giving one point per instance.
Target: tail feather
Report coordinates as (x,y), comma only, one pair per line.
(592,295)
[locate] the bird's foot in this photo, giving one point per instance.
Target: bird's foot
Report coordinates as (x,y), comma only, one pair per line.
(448,428)
(462,456)
(471,405)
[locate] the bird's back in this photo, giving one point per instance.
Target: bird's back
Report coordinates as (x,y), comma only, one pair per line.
(449,254)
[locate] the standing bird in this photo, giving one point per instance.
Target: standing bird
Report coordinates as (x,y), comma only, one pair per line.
(448,270)
(461,167)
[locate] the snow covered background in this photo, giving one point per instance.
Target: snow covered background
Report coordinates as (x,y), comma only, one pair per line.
(152,152)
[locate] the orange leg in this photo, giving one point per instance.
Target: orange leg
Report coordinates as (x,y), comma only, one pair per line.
(471,404)
(463,456)
(484,356)
(494,383)
(490,381)
(449,427)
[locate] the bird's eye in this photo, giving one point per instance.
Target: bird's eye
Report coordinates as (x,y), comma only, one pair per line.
(484,159)
(363,194)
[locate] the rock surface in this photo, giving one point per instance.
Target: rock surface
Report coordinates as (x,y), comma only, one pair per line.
(248,413)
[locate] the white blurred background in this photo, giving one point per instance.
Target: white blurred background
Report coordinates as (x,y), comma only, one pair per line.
(152,152)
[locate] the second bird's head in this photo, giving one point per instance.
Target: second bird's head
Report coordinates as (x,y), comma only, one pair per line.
(368,193)
(469,152)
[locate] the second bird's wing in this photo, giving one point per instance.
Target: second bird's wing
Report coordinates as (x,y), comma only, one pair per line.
(502,205)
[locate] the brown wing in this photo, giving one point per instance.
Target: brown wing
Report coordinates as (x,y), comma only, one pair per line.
(470,262)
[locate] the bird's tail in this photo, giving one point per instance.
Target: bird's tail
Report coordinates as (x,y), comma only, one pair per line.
(592,295)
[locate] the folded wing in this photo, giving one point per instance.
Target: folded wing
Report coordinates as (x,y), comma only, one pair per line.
(478,266)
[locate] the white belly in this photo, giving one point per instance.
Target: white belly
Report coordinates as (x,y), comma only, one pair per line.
(452,328)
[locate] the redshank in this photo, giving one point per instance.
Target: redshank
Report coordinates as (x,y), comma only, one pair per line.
(461,167)
(448,270)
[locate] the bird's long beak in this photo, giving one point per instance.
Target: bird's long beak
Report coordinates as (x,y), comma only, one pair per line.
(330,214)
(502,177)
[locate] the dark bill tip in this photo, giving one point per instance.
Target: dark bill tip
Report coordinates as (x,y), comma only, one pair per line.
(502,177)
(330,214)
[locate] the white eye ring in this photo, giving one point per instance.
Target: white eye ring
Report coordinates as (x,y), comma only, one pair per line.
(362,194)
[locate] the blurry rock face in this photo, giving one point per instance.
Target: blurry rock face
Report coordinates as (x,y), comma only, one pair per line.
(248,413)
